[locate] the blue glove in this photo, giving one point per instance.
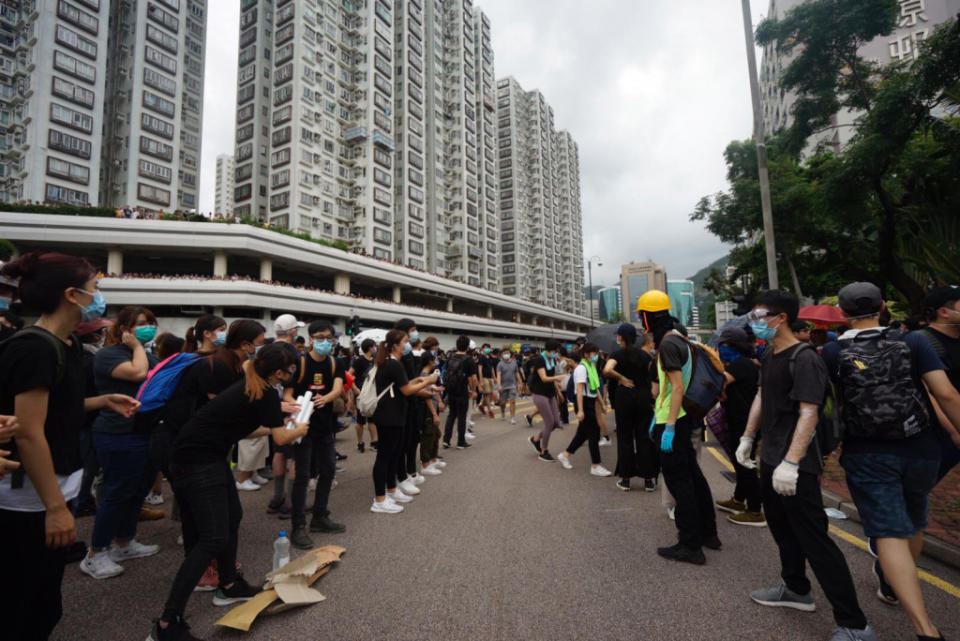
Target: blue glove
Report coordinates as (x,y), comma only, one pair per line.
(666,440)
(653,424)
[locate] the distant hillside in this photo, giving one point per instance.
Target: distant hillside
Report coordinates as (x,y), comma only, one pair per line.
(705,300)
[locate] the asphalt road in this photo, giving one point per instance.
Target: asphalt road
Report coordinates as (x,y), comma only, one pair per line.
(500,547)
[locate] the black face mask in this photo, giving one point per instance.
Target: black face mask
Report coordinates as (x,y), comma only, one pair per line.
(659,326)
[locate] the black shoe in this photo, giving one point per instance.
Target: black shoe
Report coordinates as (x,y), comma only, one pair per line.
(546,457)
(284,512)
(341,457)
(624,484)
(300,539)
(177,631)
(884,592)
(463,446)
(275,505)
(266,473)
(75,552)
(649,485)
(446,445)
(374,445)
(324,524)
(360,447)
(535,444)
(529,420)
(237,593)
(713,543)
(683,554)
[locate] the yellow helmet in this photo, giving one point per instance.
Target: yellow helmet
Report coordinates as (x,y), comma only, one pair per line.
(653,301)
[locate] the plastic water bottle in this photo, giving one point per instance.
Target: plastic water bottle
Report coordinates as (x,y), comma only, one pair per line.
(281,550)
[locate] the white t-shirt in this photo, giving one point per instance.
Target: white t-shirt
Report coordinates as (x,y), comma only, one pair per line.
(580,376)
(26,499)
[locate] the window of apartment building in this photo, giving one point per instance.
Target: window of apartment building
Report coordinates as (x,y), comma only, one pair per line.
(159,104)
(282,136)
(148,169)
(159,81)
(245,113)
(248,18)
(153,194)
(382,216)
(281,157)
(382,177)
(71,118)
(383,47)
(73,92)
(247,73)
(415,142)
(280,178)
(156,126)
(68,170)
(70,38)
(284,53)
(68,64)
(415,211)
(68,144)
(382,157)
(163,18)
(245,132)
(90,4)
(244,151)
(285,34)
(282,95)
(172,4)
(382,235)
(80,18)
(280,201)
(247,55)
(57,194)
(415,193)
(383,254)
(282,115)
(283,74)
(383,121)
(416,247)
(381,196)
(381,101)
(415,229)
(156,148)
(243,172)
(382,84)
(162,60)
(242,192)
(416,177)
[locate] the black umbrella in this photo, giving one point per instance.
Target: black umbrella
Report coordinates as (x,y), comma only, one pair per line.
(739,321)
(605,337)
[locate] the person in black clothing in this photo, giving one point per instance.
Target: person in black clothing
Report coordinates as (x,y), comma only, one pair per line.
(42,400)
(629,371)
(407,476)
(460,383)
(393,387)
(286,328)
(91,336)
(205,488)
(742,377)
(361,365)
(319,375)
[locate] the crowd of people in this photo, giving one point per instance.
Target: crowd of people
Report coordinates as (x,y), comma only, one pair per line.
(84,399)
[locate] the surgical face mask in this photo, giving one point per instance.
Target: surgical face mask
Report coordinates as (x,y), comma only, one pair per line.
(762,330)
(414,336)
(4,303)
(506,357)
(221,337)
(407,349)
(486,351)
(594,358)
(95,309)
(323,347)
(145,333)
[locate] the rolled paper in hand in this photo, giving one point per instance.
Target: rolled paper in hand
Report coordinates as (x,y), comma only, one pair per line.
(306,410)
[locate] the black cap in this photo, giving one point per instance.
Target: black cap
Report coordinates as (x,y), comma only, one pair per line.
(734,334)
(860,299)
(940,296)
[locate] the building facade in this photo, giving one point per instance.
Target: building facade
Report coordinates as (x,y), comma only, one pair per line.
(638,278)
(681,293)
(610,305)
(223,197)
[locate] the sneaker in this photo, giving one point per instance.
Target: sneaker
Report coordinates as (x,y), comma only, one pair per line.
(623,484)
(265,473)
(546,457)
(446,445)
(440,464)
(780,596)
(470,436)
(753,519)
(409,488)
(492,414)
(274,506)
(248,486)
(360,447)
(150,514)
(341,457)
(239,592)
(852,634)
(672,513)
(599,470)
(564,459)
(386,507)
(210,580)
(733,506)
(712,543)
(682,554)
(431,470)
(324,524)
(100,566)
(312,485)
(75,552)
(649,485)
(259,480)
(374,445)
(399,497)
(884,592)
(154,498)
(176,631)
(529,420)
(418,479)
(471,423)
(134,550)
(605,442)
(463,446)
(513,421)
(300,539)
(535,444)
(283,513)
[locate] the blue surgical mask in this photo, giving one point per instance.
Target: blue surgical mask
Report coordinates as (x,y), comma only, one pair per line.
(414,336)
(407,349)
(728,354)
(594,358)
(94,310)
(256,349)
(221,338)
(4,303)
(763,331)
(323,347)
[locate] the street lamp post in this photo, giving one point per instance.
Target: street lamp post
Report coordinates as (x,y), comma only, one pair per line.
(590,278)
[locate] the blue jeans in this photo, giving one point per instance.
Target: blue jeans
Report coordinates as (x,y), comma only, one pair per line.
(123,459)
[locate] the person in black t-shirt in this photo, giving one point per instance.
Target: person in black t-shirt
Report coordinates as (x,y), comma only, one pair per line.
(42,397)
(543,383)
(407,476)
(629,368)
(361,366)
(285,327)
(204,485)
(319,375)
(742,377)
(460,380)
(393,387)
(942,311)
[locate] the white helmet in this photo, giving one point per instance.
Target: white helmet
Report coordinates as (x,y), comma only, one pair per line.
(473,345)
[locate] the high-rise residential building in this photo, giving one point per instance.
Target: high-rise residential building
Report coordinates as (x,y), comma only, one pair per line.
(638,278)
(610,305)
(53,65)
(916,20)
(570,222)
(681,293)
(223,197)
(154,110)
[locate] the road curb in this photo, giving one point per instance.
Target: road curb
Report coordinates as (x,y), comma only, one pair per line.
(944,552)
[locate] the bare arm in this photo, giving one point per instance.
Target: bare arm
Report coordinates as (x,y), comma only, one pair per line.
(803,434)
(676,395)
(416,385)
(753,419)
(542,373)
(946,401)
(136,369)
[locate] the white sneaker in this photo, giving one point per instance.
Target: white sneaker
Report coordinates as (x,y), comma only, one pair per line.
(599,470)
(248,486)
(671,513)
(513,421)
(565,461)
(386,507)
(470,436)
(259,480)
(135,550)
(440,464)
(605,442)
(399,497)
(409,487)
(100,566)
(471,423)
(312,485)
(431,471)
(334,484)
(154,498)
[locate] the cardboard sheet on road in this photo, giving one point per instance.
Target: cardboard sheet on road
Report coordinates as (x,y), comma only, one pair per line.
(287,588)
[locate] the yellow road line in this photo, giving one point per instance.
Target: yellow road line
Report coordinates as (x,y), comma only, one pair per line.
(855,540)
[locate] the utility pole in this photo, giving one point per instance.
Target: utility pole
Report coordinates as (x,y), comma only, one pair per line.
(765,205)
(590,298)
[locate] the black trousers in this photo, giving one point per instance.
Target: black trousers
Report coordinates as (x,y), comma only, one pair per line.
(211,513)
(694,513)
(412,433)
(30,599)
(588,431)
(564,407)
(314,448)
(385,465)
(800,528)
(747,488)
(459,405)
(637,455)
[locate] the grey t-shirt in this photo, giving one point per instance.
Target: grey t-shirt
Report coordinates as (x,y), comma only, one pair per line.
(508,373)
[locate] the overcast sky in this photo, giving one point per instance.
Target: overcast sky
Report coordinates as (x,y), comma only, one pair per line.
(651,90)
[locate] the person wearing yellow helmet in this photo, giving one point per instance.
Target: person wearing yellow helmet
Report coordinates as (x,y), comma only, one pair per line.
(672,428)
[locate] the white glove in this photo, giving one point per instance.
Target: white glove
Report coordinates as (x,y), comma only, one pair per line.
(743,453)
(785,478)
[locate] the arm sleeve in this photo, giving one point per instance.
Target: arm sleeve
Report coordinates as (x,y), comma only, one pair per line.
(30,364)
(580,375)
(925,357)
(269,409)
(673,354)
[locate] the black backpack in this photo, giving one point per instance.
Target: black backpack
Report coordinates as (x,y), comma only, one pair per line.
(879,397)
(830,430)
(455,376)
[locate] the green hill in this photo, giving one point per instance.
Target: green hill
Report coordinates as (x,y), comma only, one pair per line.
(705,300)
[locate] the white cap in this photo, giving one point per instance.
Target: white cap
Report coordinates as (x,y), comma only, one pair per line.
(286,322)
